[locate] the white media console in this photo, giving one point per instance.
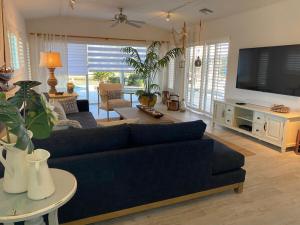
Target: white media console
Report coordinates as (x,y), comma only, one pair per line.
(260,122)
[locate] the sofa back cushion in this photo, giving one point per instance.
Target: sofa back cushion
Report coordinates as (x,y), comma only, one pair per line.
(150,134)
(71,142)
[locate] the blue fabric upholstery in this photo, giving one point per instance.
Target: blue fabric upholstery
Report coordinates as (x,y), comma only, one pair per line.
(71,142)
(116,180)
(86,119)
(163,133)
(83,105)
(126,166)
(225,159)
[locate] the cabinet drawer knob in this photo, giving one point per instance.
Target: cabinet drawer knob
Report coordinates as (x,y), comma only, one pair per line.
(257,130)
(258,118)
(228,120)
(229,110)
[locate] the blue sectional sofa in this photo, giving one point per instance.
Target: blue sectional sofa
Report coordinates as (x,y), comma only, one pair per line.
(131,168)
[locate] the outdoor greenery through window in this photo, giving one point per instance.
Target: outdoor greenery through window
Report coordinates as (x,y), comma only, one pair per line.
(89,64)
(206,83)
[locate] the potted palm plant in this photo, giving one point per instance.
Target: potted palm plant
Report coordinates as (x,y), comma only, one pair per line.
(147,69)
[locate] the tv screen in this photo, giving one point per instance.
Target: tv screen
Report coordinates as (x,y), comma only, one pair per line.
(270,69)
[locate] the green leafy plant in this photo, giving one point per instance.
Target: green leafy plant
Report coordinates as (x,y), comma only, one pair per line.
(134,80)
(27,110)
(102,76)
(147,69)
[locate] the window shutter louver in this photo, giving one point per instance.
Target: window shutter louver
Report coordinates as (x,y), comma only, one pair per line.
(207,83)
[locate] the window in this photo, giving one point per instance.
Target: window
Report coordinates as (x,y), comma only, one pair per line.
(206,83)
(14,53)
(171,74)
(84,60)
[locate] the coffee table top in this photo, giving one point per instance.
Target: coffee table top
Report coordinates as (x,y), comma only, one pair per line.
(17,207)
(134,113)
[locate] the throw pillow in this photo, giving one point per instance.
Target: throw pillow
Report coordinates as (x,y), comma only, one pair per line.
(69,105)
(59,110)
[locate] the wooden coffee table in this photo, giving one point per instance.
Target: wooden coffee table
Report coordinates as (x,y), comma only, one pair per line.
(134,113)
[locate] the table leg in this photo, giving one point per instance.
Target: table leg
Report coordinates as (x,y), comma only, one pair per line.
(53,218)
(35,221)
(131,99)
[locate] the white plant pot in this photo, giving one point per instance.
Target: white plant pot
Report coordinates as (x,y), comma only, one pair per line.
(15,174)
(40,182)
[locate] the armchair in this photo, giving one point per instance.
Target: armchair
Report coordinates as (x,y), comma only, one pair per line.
(111,96)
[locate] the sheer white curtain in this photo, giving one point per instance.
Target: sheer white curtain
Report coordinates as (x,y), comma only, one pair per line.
(48,42)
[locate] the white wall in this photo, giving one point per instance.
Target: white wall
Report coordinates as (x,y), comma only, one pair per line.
(94,28)
(16,24)
(277,24)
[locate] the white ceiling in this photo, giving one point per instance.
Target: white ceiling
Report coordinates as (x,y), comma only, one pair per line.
(151,11)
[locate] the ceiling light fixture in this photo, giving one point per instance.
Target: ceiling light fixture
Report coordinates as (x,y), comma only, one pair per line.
(168,17)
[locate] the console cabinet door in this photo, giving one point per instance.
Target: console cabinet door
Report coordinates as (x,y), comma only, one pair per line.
(274,129)
(219,112)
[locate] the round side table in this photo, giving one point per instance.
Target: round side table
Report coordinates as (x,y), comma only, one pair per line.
(17,207)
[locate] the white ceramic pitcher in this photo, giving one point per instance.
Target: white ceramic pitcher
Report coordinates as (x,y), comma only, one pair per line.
(15,174)
(40,182)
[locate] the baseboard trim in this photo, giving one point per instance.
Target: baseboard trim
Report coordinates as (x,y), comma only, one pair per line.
(238,188)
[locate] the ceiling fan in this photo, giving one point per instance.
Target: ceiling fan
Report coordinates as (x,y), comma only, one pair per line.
(121,18)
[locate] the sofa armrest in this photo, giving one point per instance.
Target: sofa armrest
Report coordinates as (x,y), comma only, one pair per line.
(83,105)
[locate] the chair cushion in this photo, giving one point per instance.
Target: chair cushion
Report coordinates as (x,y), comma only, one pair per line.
(86,119)
(118,103)
(72,142)
(151,134)
(226,159)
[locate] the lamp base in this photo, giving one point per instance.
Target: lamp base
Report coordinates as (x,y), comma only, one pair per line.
(52,81)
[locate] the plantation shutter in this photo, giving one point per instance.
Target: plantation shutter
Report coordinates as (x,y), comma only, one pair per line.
(206,83)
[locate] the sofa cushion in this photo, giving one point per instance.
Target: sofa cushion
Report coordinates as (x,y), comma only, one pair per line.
(150,134)
(71,142)
(86,119)
(226,159)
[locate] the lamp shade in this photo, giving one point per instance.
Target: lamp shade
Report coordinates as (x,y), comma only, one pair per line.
(50,59)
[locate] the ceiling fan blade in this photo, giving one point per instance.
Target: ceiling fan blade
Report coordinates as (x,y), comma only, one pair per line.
(137,21)
(133,24)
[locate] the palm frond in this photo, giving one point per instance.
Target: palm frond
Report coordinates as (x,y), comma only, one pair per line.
(132,52)
(155,45)
(172,54)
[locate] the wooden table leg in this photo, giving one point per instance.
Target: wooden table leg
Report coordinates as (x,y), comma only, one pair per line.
(53,218)
(35,221)
(297,143)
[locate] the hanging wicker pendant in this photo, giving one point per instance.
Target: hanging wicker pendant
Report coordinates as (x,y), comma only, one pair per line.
(198,62)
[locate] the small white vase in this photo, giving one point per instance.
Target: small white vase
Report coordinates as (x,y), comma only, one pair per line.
(40,182)
(15,174)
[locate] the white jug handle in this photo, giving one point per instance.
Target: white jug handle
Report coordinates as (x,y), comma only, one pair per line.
(4,162)
(37,170)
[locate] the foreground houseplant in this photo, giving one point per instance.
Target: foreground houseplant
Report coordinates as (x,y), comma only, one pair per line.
(148,69)
(25,115)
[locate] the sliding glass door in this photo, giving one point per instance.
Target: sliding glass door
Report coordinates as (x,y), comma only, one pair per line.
(206,83)
(88,62)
